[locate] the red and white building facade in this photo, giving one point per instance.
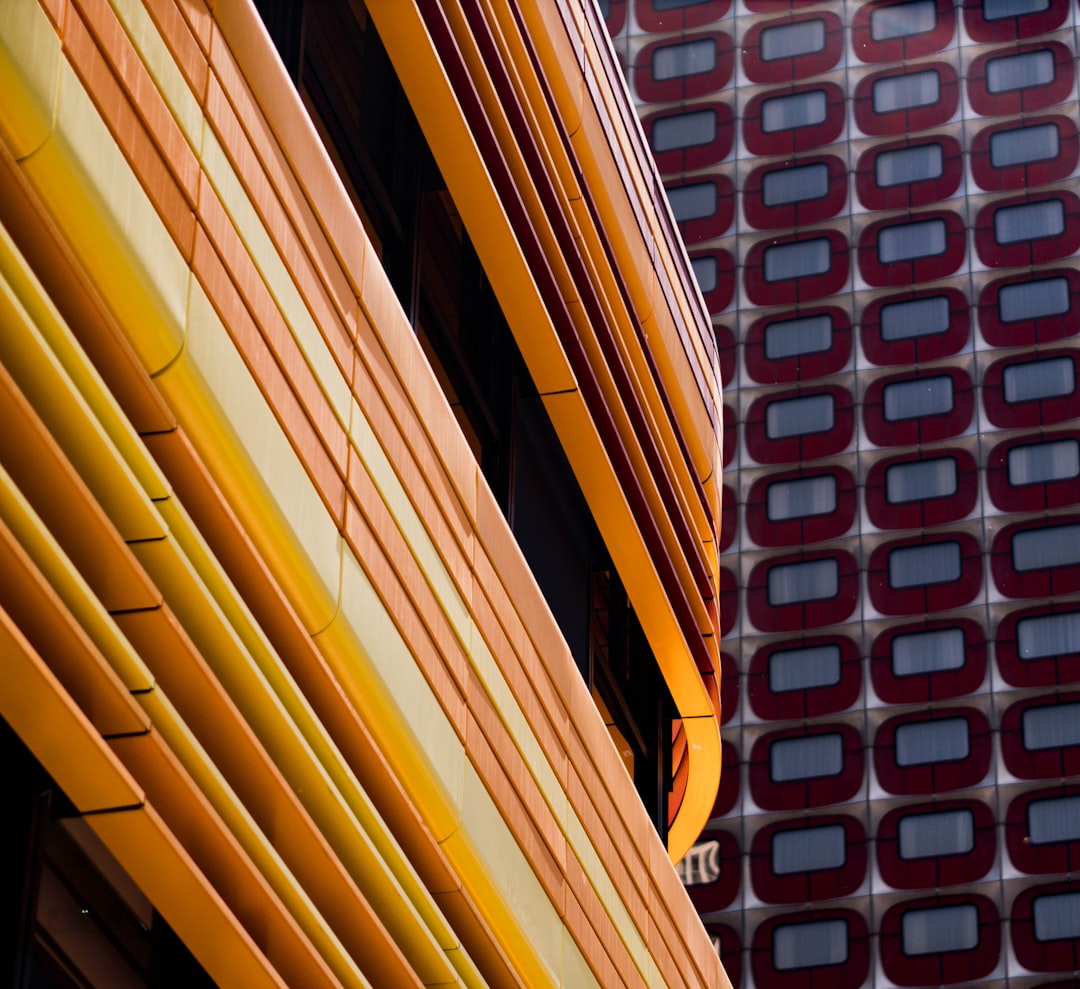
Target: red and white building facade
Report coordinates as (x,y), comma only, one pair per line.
(881,202)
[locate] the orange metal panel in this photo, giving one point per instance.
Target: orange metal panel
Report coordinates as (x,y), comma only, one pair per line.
(590,945)
(278,217)
(146,131)
(286,404)
(592,929)
(56,9)
(180,38)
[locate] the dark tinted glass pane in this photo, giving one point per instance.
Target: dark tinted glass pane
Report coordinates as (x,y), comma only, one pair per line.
(801,498)
(799,416)
(904,92)
(928,652)
(915,318)
(796,110)
(804,669)
(792,40)
(820,942)
(1029,222)
(918,397)
(791,337)
(948,832)
(814,580)
(794,185)
(1020,71)
(1033,300)
(809,849)
(927,161)
(806,758)
(684,130)
(923,742)
(1056,819)
(1038,463)
(1051,727)
(951,928)
(902,20)
(914,566)
(1039,379)
(1017,147)
(911,240)
(1048,635)
(920,479)
(686,59)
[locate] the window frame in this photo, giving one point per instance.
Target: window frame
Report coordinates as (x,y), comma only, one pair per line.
(1040,858)
(1036,496)
(818,791)
(1026,332)
(903,48)
(800,213)
(1042,582)
(907,119)
(688,87)
(937,871)
(694,15)
(1058,955)
(1030,174)
(849,974)
(799,531)
(916,349)
(937,685)
(1057,670)
(909,195)
(1011,28)
(696,230)
(1041,250)
(803,288)
(760,142)
(930,778)
(690,158)
(1036,764)
(798,615)
(1033,413)
(799,367)
(924,599)
(810,446)
(812,702)
(1016,102)
(911,271)
(812,885)
(884,432)
(761,70)
(925,513)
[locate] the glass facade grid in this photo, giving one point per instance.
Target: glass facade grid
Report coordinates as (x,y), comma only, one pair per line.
(888,335)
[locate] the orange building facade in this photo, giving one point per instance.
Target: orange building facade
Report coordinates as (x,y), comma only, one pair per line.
(284,701)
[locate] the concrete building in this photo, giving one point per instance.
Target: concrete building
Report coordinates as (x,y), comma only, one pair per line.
(880,201)
(359,493)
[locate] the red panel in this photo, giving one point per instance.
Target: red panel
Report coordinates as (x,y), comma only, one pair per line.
(760,70)
(654,17)
(922,269)
(918,349)
(923,429)
(809,446)
(615,18)
(925,598)
(944,968)
(922,688)
(719,298)
(819,884)
(792,291)
(906,195)
(804,614)
(729,519)
(729,688)
(908,120)
(801,367)
(1022,333)
(731,435)
(727,796)
(1018,101)
(799,214)
(1045,671)
(729,600)
(696,156)
(715,225)
(804,793)
(933,777)
(1008,28)
(905,48)
(688,87)
(1026,252)
(1045,857)
(1035,955)
(783,142)
(725,352)
(849,974)
(935,871)
(804,529)
(812,702)
(1029,497)
(927,511)
(1029,174)
(1038,412)
(1036,764)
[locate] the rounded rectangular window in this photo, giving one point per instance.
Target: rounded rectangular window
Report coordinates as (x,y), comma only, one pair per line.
(792,40)
(906,165)
(918,566)
(804,669)
(947,832)
(686,59)
(692,202)
(928,652)
(1022,145)
(917,480)
(903,20)
(1053,820)
(794,337)
(782,186)
(1041,463)
(797,260)
(683,130)
(996,10)
(1034,380)
(1030,221)
(794,583)
(914,318)
(822,942)
(1048,635)
(801,497)
(806,758)
(1056,917)
(908,91)
(809,849)
(1052,726)
(1039,549)
(906,241)
(918,397)
(797,110)
(920,743)
(1034,299)
(1021,71)
(799,416)
(939,929)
